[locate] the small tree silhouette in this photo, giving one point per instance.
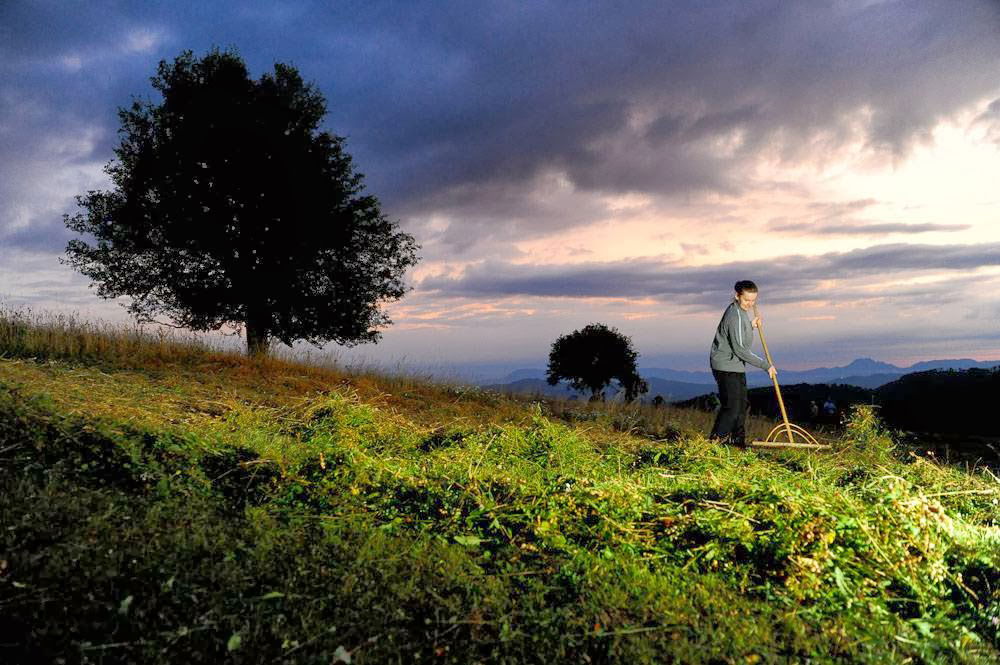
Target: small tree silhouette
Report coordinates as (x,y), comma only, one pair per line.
(231,206)
(590,358)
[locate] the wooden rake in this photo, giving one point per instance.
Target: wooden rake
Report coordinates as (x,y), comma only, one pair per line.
(797,436)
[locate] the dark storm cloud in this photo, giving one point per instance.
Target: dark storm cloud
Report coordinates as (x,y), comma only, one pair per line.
(786,279)
(451,108)
(635,99)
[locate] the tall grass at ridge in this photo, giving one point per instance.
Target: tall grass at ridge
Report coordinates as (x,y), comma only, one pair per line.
(26,333)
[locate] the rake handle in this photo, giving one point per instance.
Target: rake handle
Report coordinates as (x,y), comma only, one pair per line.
(777,388)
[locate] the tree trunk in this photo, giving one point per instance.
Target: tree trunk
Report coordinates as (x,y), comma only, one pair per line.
(258,336)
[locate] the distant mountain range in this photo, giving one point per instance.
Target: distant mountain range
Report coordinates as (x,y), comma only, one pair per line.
(677,385)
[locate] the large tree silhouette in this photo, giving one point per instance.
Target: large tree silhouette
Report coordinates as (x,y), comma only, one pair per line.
(590,358)
(231,206)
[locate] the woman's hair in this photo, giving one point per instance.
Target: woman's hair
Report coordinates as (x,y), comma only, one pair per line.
(745,285)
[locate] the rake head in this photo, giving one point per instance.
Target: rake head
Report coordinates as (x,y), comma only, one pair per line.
(787,435)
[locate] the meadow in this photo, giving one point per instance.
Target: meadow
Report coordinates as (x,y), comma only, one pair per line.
(164,500)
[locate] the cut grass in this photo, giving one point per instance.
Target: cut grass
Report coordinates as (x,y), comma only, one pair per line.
(214,508)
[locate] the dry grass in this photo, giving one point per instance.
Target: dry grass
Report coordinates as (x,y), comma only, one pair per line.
(168,382)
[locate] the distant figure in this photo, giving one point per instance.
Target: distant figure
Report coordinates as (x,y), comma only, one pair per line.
(728,359)
(829,408)
(658,401)
(813,409)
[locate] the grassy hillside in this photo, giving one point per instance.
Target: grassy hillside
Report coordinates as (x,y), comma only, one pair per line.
(165,501)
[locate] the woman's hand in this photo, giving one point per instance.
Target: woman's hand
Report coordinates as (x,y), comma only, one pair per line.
(756,322)
(772,371)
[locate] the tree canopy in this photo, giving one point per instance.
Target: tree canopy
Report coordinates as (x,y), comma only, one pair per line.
(590,358)
(232,206)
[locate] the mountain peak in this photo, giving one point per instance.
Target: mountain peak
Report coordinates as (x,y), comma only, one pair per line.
(869,364)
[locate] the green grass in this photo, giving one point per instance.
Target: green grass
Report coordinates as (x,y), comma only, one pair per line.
(163,504)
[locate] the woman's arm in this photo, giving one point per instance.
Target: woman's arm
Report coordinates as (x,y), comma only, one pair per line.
(740,346)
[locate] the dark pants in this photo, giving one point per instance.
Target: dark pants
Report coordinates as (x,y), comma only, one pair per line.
(730,423)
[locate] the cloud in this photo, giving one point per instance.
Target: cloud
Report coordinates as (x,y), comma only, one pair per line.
(471,116)
(682,96)
(50,157)
(38,279)
(62,75)
(794,278)
(990,119)
(836,209)
(32,202)
(142,40)
(838,218)
(865,229)
(483,214)
(482,129)
(684,100)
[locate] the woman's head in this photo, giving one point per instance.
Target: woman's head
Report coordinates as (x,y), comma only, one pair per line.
(746,294)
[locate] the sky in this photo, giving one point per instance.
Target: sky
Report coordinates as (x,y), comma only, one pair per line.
(565,163)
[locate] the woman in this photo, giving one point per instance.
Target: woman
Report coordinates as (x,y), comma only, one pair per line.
(728,359)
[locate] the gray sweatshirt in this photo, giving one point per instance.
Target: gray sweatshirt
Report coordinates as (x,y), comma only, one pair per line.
(731,347)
